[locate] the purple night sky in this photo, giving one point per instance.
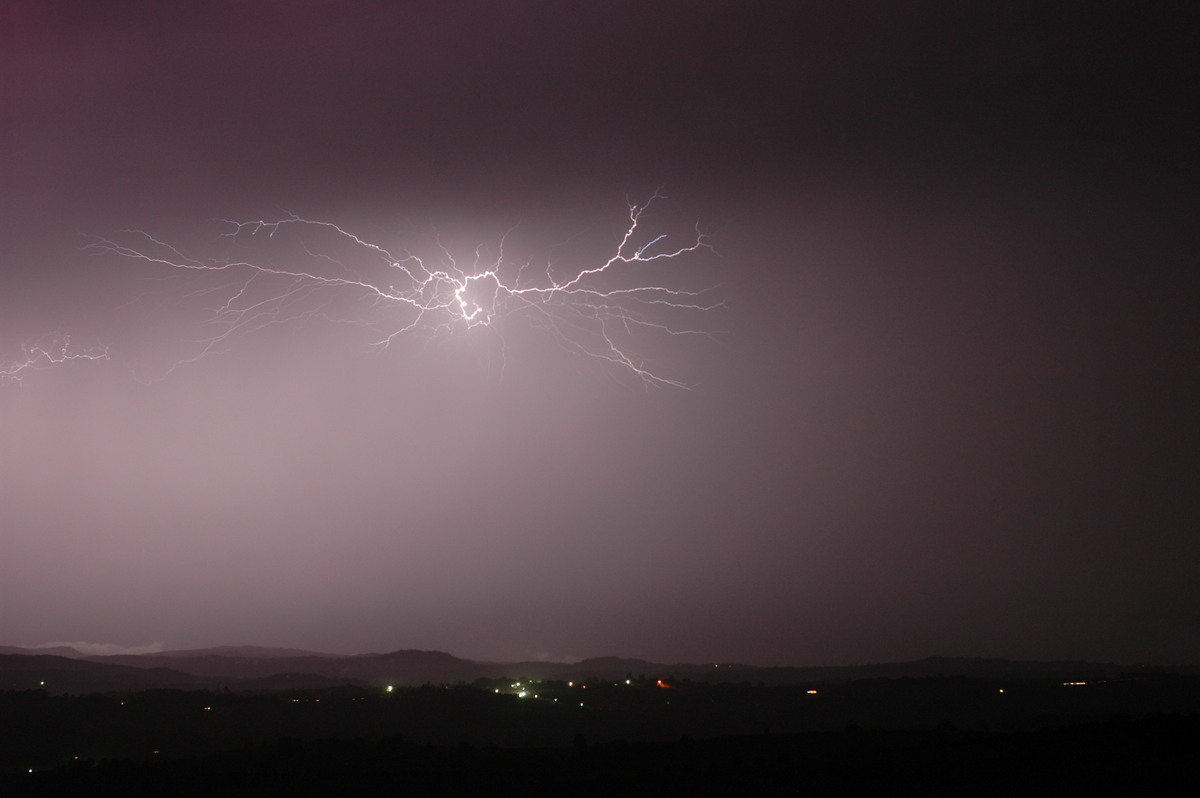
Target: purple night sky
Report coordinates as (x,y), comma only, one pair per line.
(948,406)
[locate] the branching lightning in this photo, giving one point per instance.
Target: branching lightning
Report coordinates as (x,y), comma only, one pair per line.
(599,311)
(47,353)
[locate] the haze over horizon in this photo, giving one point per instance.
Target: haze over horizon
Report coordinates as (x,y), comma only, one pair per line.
(947,407)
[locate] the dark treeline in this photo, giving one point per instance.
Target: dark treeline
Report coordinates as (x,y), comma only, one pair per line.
(1155,755)
(930,732)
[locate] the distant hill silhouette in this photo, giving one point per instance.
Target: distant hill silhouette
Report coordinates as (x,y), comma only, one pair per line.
(58,651)
(67,675)
(257,668)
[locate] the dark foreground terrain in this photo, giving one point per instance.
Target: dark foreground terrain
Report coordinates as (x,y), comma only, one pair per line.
(636,736)
(1156,755)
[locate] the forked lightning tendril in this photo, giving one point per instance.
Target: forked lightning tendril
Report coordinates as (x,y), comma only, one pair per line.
(600,310)
(45,354)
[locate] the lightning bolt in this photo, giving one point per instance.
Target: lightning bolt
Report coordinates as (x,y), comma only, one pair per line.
(599,311)
(47,353)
